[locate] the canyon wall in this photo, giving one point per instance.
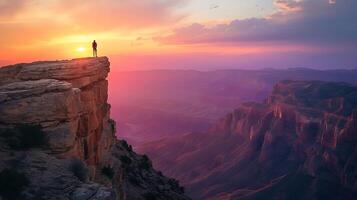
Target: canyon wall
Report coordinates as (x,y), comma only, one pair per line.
(68,101)
(300,143)
(304,136)
(67,98)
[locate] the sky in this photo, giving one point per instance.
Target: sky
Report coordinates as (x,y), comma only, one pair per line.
(183,34)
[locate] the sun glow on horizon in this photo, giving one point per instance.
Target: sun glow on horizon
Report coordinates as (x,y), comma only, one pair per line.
(49,30)
(81,49)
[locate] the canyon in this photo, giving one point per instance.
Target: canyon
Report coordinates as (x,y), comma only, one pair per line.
(156,104)
(64,104)
(58,139)
(299,143)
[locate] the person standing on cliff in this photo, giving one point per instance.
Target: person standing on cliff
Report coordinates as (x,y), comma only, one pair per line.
(94,46)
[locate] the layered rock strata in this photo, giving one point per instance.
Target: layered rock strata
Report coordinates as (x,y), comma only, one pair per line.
(68,101)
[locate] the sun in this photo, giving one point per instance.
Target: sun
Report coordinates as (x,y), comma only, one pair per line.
(81,49)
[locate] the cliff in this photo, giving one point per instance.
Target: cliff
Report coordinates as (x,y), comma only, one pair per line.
(67,98)
(303,139)
(66,102)
(300,143)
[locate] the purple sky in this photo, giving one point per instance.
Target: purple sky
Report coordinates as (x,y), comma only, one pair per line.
(184,34)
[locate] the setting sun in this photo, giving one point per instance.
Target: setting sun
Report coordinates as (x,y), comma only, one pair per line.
(81,49)
(178,99)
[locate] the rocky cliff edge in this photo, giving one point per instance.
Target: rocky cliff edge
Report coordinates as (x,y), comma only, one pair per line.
(78,156)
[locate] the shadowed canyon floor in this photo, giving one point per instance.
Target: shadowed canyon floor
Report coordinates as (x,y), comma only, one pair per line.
(57,138)
(151,105)
(300,143)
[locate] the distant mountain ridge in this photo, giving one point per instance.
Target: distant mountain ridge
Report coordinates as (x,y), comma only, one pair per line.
(150,105)
(300,143)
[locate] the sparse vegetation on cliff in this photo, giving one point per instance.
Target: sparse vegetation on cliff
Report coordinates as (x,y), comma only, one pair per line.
(127,146)
(73,112)
(149,196)
(125,160)
(145,162)
(79,169)
(24,137)
(108,172)
(12,183)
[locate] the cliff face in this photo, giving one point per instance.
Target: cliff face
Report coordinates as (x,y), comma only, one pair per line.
(68,101)
(67,98)
(301,143)
(304,135)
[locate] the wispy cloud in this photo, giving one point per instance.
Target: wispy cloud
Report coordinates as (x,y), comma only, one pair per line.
(54,28)
(35,25)
(10,7)
(92,13)
(288,5)
(314,22)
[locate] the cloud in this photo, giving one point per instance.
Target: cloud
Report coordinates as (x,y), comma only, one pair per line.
(106,14)
(314,22)
(287,5)
(92,14)
(9,8)
(29,25)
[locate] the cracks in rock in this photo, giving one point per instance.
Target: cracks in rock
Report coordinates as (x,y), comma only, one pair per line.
(37,95)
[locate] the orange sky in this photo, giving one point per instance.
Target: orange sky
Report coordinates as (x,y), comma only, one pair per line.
(61,29)
(35,29)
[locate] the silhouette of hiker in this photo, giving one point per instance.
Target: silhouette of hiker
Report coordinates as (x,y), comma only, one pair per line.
(94,46)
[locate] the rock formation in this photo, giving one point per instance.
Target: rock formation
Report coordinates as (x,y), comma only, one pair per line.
(67,100)
(301,143)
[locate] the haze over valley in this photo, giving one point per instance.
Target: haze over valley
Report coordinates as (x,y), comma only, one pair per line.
(151,105)
(178,99)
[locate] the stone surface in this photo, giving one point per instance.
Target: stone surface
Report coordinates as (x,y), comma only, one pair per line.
(92,192)
(68,100)
(304,132)
(79,72)
(50,178)
(136,176)
(300,143)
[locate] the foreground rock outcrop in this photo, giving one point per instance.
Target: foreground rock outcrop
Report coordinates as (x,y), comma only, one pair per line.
(64,105)
(301,143)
